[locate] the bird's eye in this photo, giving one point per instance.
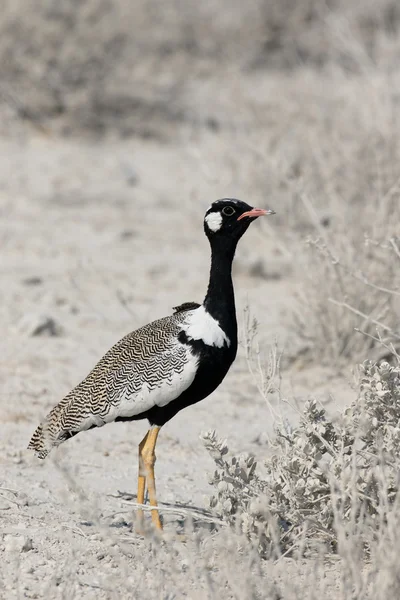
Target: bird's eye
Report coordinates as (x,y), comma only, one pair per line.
(228,211)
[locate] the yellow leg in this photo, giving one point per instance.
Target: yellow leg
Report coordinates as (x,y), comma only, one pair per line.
(149,458)
(141,485)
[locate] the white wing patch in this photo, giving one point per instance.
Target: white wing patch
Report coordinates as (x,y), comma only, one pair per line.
(214,221)
(200,325)
(130,403)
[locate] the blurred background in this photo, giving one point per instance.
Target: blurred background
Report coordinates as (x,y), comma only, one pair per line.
(133,68)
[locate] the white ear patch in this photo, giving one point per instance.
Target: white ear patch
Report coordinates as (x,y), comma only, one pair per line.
(214,221)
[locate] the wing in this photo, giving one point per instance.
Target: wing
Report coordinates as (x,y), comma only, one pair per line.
(148,367)
(137,387)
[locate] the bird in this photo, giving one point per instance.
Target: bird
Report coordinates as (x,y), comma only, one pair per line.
(165,366)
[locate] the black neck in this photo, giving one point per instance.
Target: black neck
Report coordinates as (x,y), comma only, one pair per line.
(220,298)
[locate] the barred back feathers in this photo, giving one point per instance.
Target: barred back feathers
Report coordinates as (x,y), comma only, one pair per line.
(146,367)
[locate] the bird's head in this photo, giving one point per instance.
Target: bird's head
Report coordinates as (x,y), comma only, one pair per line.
(229,218)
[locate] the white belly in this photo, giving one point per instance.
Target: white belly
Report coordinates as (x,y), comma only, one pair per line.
(153,391)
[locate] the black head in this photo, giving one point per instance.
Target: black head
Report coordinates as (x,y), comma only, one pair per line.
(230,218)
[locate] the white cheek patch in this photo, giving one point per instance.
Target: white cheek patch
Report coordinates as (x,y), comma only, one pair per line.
(214,221)
(200,325)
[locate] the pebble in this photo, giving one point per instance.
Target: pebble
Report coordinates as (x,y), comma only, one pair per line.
(17,543)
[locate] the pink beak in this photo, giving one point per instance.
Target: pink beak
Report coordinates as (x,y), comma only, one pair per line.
(256,212)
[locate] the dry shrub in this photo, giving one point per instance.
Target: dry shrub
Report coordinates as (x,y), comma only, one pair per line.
(90,61)
(59,49)
(333,173)
(331,31)
(322,149)
(329,481)
(105,64)
(343,295)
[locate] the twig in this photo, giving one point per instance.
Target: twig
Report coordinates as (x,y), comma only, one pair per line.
(9,500)
(22,112)
(124,303)
(172,509)
(317,224)
(180,511)
(95,586)
(4,489)
(365,281)
(360,277)
(77,530)
(391,349)
(265,386)
(364,316)
(395,246)
(292,547)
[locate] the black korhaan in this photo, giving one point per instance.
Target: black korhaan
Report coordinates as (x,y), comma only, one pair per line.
(165,366)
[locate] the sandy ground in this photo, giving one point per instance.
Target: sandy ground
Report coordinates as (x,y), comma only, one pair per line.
(101,237)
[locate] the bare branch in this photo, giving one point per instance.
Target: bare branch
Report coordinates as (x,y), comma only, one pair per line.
(364,316)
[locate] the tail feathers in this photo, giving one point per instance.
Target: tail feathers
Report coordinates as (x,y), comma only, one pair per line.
(39,443)
(65,420)
(43,440)
(51,431)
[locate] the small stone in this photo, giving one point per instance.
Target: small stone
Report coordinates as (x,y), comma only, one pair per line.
(35,280)
(17,543)
(130,173)
(27,544)
(23,499)
(39,325)
(118,521)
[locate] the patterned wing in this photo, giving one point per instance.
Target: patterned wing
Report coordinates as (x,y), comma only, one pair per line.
(148,367)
